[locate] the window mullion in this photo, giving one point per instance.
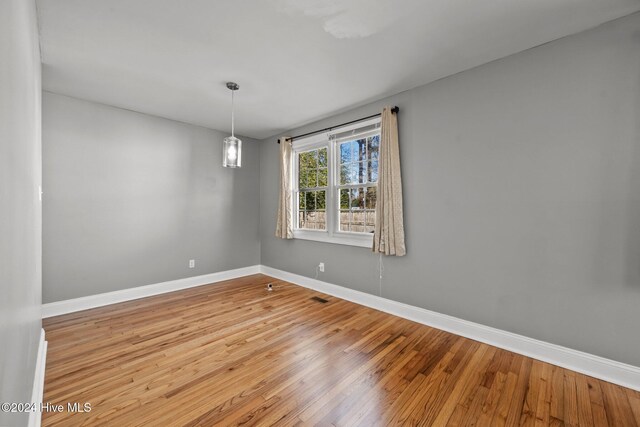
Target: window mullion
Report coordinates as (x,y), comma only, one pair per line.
(349,186)
(331,164)
(296,191)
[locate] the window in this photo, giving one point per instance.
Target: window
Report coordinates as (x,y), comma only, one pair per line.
(335,184)
(358,183)
(312,189)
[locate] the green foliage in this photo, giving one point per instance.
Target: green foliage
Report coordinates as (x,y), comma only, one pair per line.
(312,169)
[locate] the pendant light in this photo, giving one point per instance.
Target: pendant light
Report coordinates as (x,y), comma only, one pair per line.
(232,146)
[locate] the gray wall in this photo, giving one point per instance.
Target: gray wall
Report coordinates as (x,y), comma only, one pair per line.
(522,196)
(20,207)
(130,198)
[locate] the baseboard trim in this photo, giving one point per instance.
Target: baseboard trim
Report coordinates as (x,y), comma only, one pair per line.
(84,303)
(35,417)
(585,363)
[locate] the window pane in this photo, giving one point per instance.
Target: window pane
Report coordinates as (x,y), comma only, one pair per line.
(301,203)
(371,218)
(312,178)
(303,220)
(302,178)
(303,160)
(361,150)
(357,198)
(345,152)
(373,171)
(357,228)
(371,197)
(344,198)
(344,220)
(322,157)
(344,174)
(322,177)
(310,200)
(320,200)
(349,173)
(358,217)
(354,151)
(373,144)
(322,221)
(357,221)
(353,173)
(309,160)
(361,172)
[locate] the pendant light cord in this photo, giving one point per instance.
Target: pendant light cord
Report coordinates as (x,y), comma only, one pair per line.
(380,270)
(232,113)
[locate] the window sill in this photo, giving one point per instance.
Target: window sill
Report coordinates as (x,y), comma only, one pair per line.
(351,239)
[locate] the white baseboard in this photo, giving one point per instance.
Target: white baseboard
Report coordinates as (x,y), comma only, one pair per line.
(35,417)
(77,304)
(585,363)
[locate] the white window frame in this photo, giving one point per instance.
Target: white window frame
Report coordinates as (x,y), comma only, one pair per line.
(332,234)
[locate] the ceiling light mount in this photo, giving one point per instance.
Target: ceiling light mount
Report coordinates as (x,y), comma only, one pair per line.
(233,86)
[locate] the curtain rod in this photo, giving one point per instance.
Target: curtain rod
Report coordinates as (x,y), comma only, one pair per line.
(291,138)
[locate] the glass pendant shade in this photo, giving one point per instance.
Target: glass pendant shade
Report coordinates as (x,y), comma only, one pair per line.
(232,152)
(232,146)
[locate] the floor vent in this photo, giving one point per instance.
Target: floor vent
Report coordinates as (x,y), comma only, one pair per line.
(318,299)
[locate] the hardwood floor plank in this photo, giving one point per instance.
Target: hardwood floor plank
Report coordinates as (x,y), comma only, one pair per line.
(617,405)
(543,410)
(527,417)
(233,353)
(517,401)
(463,383)
(585,413)
(634,402)
(556,405)
(570,400)
(367,402)
(511,380)
(490,403)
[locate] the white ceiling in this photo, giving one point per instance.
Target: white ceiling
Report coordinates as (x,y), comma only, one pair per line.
(295,60)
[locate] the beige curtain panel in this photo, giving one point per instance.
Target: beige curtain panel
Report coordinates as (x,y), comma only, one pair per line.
(388,237)
(284,225)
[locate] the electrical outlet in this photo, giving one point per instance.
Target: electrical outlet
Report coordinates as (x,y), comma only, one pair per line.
(192,263)
(321,267)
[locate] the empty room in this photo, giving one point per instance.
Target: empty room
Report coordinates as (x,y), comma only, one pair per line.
(319,213)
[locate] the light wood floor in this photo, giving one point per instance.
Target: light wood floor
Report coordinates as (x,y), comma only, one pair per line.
(234,354)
